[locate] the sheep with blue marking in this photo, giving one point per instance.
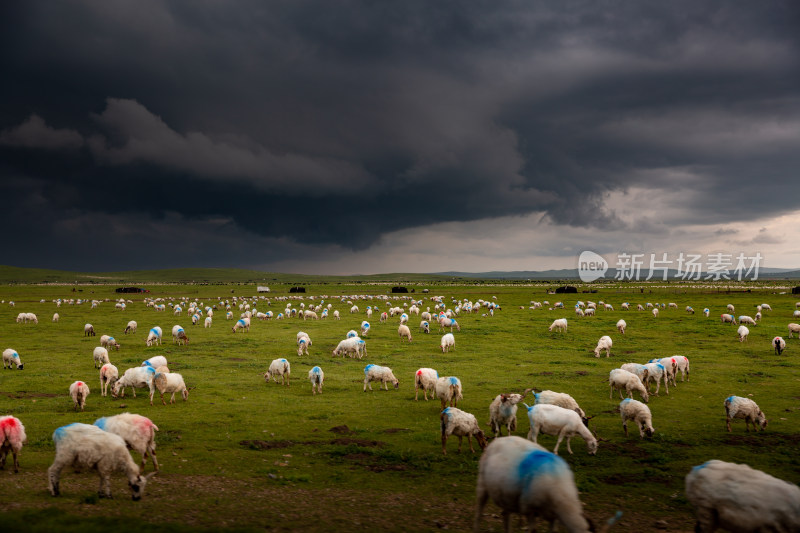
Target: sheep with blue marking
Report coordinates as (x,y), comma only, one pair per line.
(445,322)
(138,432)
(383,374)
(670,366)
(278,367)
(242,324)
(522,477)
(425,379)
(727,319)
(11,357)
(461,424)
(316,376)
(89,447)
(108,342)
(741,499)
(364,328)
(503,412)
(135,378)
(739,407)
(557,421)
(635,368)
(449,391)
(425,326)
(561,399)
(656,372)
(153,336)
(630,409)
(353,346)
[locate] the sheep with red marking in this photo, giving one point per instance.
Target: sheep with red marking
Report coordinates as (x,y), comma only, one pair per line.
(138,432)
(778,343)
(12,435)
(79,391)
(108,375)
(425,379)
(89,447)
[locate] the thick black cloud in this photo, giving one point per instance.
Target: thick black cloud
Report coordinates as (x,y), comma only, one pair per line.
(263,124)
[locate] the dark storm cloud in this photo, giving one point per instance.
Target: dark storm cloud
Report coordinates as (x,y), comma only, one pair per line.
(264,124)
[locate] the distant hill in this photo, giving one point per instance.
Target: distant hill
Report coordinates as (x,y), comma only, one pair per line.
(572,274)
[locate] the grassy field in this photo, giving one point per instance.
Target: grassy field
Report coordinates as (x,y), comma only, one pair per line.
(249,455)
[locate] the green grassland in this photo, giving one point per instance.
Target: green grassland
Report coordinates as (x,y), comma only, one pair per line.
(248,455)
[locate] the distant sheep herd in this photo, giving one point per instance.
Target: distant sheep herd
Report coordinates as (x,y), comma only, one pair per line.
(517,474)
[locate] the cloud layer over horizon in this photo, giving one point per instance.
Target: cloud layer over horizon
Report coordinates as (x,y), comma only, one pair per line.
(363,137)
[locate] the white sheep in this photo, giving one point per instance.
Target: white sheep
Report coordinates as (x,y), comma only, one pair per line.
(79,391)
(89,447)
(621,325)
(522,477)
(207,322)
(731,308)
(778,343)
(743,332)
(425,379)
(449,391)
(11,357)
(503,412)
(153,336)
(681,363)
(706,312)
(155,361)
(656,372)
(622,379)
(639,370)
(354,347)
(689,309)
(108,375)
(425,326)
(383,374)
(108,342)
(404,332)
(448,342)
(137,377)
(316,376)
(794,328)
(744,319)
(559,324)
(445,322)
(179,335)
(168,382)
(100,355)
(655,313)
(739,407)
(557,421)
(461,424)
(766,307)
(738,498)
(278,367)
(604,343)
(727,319)
(12,437)
(630,409)
(364,328)
(138,432)
(56,317)
(131,327)
(243,324)
(561,399)
(671,366)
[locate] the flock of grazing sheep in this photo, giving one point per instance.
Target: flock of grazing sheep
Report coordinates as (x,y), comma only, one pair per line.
(517,474)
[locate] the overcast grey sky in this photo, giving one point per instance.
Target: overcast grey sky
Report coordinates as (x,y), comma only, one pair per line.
(417,136)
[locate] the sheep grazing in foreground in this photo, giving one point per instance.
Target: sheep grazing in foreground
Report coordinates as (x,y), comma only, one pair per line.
(727,319)
(794,328)
(56,317)
(404,332)
(448,342)
(739,407)
(561,399)
(622,379)
(706,312)
(738,498)
(100,356)
(108,375)
(85,446)
(461,424)
(451,323)
(656,372)
(137,377)
(425,379)
(630,409)
(559,324)
(243,324)
(744,319)
(621,325)
(354,347)
(604,343)
(179,335)
(522,477)
(138,432)
(79,391)
(11,357)
(316,376)
(689,310)
(503,412)
(155,361)
(730,308)
(639,370)
(743,332)
(88,330)
(131,327)
(671,366)
(778,343)
(682,366)
(153,336)
(108,342)
(278,367)
(364,328)
(425,326)
(383,374)
(655,313)
(12,437)
(557,421)
(168,382)
(449,391)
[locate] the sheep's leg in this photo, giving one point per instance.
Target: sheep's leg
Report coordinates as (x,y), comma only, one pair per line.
(172,398)
(105,483)
(3,454)
(658,386)
(611,393)
(666,384)
(162,399)
(568,446)
(460,440)
(625,427)
(480,502)
(444,443)
(16,461)
(53,475)
(728,423)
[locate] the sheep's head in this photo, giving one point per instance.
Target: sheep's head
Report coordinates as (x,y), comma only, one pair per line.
(267,376)
(648,431)
(137,485)
(762,419)
(591,445)
(396,384)
(115,388)
(481,438)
